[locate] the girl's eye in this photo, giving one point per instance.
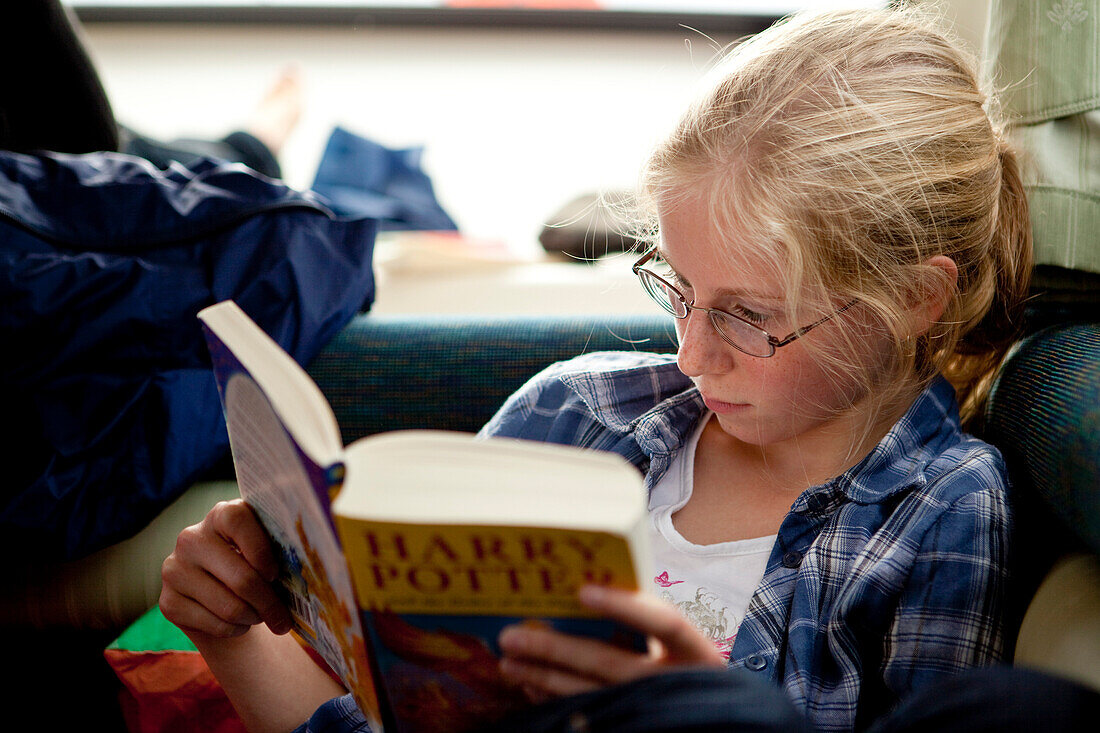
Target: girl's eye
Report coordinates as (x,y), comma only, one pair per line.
(672,277)
(662,268)
(749,315)
(683,286)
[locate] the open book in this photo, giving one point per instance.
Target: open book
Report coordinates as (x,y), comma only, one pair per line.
(405,554)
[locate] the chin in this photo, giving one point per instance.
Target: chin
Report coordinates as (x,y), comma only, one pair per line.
(752,432)
(761,431)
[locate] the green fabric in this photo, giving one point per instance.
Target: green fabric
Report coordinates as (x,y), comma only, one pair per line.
(454,372)
(1045,61)
(1066,227)
(152,633)
(1045,58)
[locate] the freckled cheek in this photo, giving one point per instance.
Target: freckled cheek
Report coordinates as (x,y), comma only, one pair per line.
(757,381)
(815,387)
(793,380)
(780,381)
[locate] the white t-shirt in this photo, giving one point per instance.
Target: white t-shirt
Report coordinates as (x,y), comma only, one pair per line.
(710,584)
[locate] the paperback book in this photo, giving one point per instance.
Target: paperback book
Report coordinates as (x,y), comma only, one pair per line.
(404,554)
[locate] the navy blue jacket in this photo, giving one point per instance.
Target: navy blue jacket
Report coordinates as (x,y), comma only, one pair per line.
(107,386)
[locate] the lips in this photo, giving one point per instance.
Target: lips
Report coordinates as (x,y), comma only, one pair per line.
(720,406)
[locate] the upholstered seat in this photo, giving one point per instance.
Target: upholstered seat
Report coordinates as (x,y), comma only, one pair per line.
(1044,414)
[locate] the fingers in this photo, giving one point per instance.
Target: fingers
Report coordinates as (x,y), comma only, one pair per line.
(681,643)
(218,579)
(192,616)
(547,663)
(236,523)
(535,695)
(590,658)
(540,684)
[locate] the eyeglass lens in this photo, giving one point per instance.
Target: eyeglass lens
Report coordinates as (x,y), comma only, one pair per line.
(742,335)
(666,296)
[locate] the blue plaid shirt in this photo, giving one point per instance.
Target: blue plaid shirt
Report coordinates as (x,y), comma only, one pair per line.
(882,579)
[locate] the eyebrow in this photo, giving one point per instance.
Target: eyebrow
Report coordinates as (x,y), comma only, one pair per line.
(724,292)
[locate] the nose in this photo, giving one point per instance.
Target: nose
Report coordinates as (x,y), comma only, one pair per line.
(702,350)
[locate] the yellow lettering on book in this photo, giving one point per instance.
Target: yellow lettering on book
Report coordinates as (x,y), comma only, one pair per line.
(480,570)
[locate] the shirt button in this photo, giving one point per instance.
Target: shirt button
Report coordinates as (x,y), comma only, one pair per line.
(755,662)
(792,559)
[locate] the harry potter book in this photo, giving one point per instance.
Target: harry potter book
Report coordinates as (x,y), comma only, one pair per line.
(404,554)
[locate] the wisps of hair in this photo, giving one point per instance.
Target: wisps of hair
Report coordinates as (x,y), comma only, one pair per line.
(851,147)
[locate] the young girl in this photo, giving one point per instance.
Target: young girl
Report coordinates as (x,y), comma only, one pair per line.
(842,236)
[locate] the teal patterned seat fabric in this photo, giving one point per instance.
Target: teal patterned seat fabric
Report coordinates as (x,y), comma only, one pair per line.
(454,372)
(1044,413)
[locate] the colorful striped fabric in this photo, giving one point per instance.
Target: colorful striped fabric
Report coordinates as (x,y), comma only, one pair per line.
(166,685)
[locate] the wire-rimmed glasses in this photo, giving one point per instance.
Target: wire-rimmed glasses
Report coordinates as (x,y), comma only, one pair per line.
(736,331)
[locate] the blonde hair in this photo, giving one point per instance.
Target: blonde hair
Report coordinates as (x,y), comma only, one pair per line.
(852,147)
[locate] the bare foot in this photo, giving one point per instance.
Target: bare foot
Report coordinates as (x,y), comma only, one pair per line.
(278,112)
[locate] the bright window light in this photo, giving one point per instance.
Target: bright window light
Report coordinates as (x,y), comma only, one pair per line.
(731,7)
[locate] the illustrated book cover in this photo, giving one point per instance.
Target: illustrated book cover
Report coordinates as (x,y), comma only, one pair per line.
(404,554)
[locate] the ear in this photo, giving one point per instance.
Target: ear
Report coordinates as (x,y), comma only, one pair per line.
(939,276)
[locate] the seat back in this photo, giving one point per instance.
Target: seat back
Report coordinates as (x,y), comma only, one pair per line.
(389,372)
(1044,415)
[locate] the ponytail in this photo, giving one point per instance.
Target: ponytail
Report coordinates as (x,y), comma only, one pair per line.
(980,350)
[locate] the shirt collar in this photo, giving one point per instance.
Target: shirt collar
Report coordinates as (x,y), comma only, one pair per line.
(660,405)
(902,459)
(646,395)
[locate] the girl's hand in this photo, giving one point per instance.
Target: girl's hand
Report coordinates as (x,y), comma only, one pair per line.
(548,663)
(218,581)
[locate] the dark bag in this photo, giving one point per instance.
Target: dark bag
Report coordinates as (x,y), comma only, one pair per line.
(105,261)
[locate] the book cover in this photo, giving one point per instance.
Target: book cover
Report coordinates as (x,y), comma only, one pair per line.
(435,598)
(405,554)
(458,538)
(290,493)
